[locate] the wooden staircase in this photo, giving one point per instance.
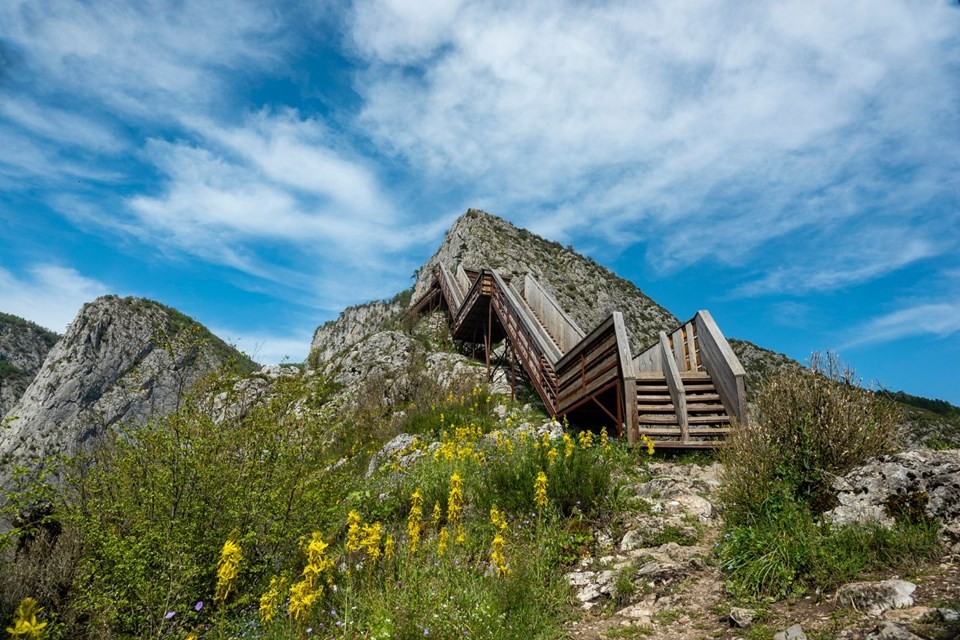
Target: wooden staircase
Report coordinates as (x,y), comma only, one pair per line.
(685,391)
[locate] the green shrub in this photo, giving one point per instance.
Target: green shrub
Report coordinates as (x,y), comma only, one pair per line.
(808,425)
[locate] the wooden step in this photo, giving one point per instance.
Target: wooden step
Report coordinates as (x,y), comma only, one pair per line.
(661,432)
(658,419)
(665,397)
(655,408)
(700,408)
(703,397)
(708,420)
(691,375)
(707,431)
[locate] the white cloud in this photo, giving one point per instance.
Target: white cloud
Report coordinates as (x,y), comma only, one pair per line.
(939,319)
(149,58)
(705,131)
(48,294)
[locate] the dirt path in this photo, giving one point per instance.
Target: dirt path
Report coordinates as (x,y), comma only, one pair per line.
(655,577)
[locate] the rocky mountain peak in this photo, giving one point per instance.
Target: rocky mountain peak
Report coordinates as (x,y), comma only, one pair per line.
(121,360)
(587,291)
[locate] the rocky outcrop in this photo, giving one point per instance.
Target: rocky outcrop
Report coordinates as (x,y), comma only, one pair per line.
(23,348)
(910,484)
(121,361)
(587,291)
(352,326)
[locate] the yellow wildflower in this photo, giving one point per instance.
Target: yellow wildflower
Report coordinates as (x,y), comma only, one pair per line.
(303,595)
(540,491)
(371,540)
(442,541)
(649,442)
(228,569)
(317,561)
(435,520)
(551,455)
(497,556)
(388,548)
(568,445)
(455,500)
(586,439)
(271,599)
(461,535)
(604,440)
(25,623)
(497,518)
(353,531)
(414,520)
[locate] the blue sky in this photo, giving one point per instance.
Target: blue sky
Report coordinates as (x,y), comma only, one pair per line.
(792,166)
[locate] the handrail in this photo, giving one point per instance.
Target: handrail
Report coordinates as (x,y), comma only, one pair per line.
(554,319)
(450,287)
(723,366)
(529,321)
(462,279)
(675,385)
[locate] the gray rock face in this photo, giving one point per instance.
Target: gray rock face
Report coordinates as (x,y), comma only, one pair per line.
(121,360)
(354,324)
(892,631)
(924,476)
(23,348)
(874,598)
(794,632)
(585,290)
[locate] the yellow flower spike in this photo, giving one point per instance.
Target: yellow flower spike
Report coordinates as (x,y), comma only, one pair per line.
(388,548)
(586,439)
(303,595)
(498,519)
(568,445)
(540,491)
(415,519)
(442,541)
(551,455)
(604,440)
(461,535)
(271,599)
(455,500)
(435,520)
(353,531)
(370,541)
(25,623)
(228,568)
(498,558)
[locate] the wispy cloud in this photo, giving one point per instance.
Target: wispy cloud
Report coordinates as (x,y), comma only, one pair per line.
(48,294)
(703,133)
(939,319)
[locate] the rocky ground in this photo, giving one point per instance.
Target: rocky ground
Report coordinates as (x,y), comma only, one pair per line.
(657,579)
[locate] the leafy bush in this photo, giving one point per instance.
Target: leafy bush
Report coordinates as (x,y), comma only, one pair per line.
(809,425)
(154,506)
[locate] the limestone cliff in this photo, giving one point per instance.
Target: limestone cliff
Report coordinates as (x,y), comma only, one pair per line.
(121,360)
(23,348)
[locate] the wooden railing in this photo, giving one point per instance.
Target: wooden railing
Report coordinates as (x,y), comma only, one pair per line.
(561,327)
(570,369)
(678,394)
(698,345)
(722,365)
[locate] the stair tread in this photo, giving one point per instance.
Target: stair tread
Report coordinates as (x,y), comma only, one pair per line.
(707,406)
(658,420)
(707,419)
(702,397)
(664,396)
(654,408)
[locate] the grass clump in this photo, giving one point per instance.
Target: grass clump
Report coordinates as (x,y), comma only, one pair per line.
(809,426)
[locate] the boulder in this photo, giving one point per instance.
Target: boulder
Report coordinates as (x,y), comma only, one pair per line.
(874,598)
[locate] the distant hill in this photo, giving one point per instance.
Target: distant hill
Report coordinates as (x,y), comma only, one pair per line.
(23,347)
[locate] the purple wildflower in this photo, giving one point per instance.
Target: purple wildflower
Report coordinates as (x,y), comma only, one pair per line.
(169,615)
(199,605)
